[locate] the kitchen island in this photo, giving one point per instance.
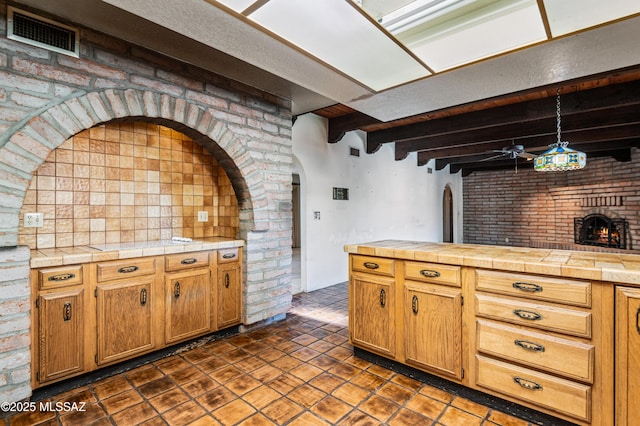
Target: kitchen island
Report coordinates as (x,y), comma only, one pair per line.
(557,331)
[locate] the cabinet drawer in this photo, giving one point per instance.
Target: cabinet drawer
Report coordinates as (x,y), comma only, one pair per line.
(433,273)
(119,269)
(560,395)
(228,255)
(373,265)
(177,262)
(538,315)
(561,290)
(549,353)
(59,277)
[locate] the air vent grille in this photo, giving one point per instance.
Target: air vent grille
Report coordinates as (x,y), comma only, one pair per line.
(42,32)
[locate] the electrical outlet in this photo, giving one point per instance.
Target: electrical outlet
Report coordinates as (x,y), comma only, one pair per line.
(33,220)
(203,216)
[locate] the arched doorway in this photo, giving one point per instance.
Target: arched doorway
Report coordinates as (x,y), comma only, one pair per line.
(447,215)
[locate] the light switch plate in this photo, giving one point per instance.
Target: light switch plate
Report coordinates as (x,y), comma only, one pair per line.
(203,216)
(33,220)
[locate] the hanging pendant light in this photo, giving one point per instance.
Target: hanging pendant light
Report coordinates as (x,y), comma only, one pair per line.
(559,157)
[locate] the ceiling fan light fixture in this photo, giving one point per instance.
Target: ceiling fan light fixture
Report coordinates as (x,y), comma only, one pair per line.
(559,157)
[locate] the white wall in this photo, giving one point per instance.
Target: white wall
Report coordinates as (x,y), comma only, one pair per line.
(388,199)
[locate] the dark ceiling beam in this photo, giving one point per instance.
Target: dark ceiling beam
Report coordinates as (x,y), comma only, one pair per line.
(542,127)
(338,126)
(536,144)
(623,154)
(572,103)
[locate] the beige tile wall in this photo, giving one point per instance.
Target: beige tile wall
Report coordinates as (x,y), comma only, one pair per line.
(128,182)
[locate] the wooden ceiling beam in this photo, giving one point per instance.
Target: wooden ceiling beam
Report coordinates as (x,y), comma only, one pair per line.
(517,131)
(572,103)
(339,126)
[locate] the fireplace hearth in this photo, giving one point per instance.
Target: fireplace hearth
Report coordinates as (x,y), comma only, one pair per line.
(600,230)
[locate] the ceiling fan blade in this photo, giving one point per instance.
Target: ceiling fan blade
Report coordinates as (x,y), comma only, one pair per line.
(493,157)
(527,155)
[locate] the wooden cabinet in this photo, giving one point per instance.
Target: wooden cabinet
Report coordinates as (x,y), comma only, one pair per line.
(125,304)
(91,315)
(433,314)
(59,323)
(627,355)
(229,295)
(433,328)
(187,296)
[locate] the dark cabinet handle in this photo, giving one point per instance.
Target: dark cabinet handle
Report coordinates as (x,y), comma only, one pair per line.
(383,298)
(638,320)
(530,346)
(66,312)
(429,274)
(189,261)
(527,384)
(143,297)
(371,265)
(61,277)
(176,289)
(227,280)
(228,255)
(414,304)
(127,269)
(528,287)
(527,315)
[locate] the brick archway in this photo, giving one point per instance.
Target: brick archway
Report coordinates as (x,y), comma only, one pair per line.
(29,145)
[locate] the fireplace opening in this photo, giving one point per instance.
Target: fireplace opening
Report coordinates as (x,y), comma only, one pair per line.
(600,230)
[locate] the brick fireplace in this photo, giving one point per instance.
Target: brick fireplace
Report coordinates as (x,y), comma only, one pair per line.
(533,209)
(47,98)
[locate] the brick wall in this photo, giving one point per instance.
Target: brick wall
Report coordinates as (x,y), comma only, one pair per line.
(47,98)
(534,209)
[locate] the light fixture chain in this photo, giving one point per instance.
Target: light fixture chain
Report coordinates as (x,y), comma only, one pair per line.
(558,116)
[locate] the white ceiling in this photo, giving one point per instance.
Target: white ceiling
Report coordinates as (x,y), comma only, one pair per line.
(441,53)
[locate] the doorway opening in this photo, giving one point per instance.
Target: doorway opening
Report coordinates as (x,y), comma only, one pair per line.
(296,266)
(447,215)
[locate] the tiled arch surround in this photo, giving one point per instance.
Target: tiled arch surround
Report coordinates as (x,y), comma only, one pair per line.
(45,98)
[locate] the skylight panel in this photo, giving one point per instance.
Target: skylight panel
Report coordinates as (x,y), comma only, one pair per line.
(567,16)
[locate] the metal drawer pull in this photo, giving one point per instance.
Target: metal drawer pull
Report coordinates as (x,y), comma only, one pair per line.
(371,265)
(529,287)
(127,269)
(527,384)
(638,320)
(530,346)
(143,297)
(414,304)
(228,255)
(66,312)
(527,315)
(429,274)
(176,289)
(61,277)
(189,261)
(383,298)
(227,281)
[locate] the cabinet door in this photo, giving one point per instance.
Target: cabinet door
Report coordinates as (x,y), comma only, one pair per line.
(188,304)
(125,322)
(627,355)
(433,328)
(60,334)
(229,292)
(372,313)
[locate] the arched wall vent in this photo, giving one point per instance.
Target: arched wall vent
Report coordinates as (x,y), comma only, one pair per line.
(38,31)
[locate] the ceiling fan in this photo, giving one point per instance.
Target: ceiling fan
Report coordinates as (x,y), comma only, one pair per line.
(512,152)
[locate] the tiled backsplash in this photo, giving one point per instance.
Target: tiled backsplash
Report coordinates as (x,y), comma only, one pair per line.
(128,182)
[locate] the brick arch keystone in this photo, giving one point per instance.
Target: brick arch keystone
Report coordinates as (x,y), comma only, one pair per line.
(32,140)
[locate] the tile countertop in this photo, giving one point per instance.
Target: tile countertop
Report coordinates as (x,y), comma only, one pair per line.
(613,267)
(98,253)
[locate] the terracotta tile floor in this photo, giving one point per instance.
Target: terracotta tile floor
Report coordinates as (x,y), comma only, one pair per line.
(299,371)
